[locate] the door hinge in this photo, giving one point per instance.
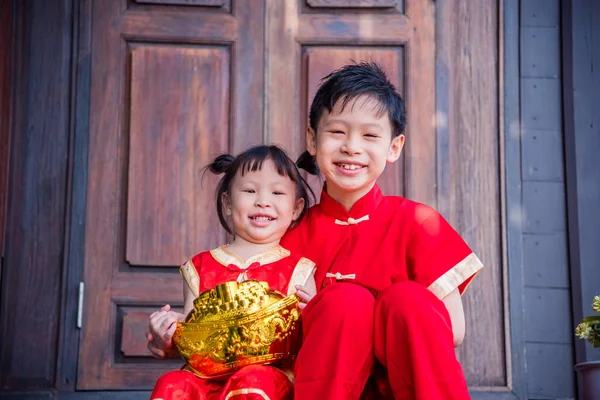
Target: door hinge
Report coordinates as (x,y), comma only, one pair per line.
(80,305)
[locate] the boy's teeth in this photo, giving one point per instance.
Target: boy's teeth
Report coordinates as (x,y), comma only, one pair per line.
(350,166)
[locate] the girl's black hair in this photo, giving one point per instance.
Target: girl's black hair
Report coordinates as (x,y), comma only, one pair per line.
(252,160)
(349,83)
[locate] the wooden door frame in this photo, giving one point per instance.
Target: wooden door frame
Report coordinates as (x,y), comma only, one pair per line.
(7,50)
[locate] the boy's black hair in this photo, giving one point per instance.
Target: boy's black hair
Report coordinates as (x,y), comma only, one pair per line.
(252,160)
(347,84)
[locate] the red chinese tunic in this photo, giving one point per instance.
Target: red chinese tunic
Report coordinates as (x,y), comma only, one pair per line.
(397,249)
(383,240)
(280,268)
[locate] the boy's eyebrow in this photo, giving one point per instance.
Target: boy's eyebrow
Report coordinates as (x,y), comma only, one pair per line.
(369,125)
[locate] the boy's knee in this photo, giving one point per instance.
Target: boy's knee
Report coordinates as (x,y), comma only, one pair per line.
(404,299)
(348,298)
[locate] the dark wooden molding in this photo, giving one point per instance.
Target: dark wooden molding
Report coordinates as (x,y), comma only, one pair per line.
(76,188)
(510,108)
(7,49)
(204,3)
(352,3)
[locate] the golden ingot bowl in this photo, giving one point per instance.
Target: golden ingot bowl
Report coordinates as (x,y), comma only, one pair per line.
(238,324)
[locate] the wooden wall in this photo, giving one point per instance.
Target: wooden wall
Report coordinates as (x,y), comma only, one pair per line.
(31,290)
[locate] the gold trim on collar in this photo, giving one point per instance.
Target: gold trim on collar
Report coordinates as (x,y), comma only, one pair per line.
(454,277)
(239,392)
(226,257)
(302,272)
(189,273)
(352,221)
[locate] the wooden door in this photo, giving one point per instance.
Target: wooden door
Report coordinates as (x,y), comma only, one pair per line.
(173,85)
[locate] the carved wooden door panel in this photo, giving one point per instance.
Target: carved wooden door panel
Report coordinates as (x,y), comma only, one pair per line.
(172,86)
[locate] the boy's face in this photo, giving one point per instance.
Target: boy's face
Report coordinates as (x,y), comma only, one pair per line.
(352,147)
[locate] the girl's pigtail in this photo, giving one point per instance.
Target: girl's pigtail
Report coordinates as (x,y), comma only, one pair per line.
(307,163)
(221,164)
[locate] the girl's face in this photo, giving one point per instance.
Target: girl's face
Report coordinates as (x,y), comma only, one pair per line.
(352,147)
(262,205)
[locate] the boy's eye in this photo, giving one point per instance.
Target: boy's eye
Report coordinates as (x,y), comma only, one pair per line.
(337,132)
(278,193)
(248,191)
(371,135)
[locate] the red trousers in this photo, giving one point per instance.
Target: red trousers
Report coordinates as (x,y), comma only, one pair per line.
(249,383)
(406,332)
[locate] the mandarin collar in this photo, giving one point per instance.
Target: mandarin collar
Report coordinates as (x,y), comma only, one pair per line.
(363,207)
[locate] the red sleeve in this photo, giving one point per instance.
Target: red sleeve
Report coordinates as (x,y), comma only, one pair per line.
(439,258)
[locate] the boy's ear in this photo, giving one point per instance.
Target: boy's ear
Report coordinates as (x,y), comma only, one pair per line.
(298,209)
(395,149)
(226,204)
(311,141)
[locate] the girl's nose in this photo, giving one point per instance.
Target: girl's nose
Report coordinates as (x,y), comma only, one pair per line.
(262,201)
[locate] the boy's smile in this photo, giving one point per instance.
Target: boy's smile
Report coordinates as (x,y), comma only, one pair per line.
(352,146)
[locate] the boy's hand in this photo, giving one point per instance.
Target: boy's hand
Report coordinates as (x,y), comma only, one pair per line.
(161,328)
(304,294)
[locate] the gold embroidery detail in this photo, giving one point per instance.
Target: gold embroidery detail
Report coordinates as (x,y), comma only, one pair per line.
(339,276)
(455,276)
(302,272)
(189,273)
(226,257)
(237,392)
(352,221)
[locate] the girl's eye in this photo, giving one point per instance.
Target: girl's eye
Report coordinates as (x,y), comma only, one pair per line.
(337,132)
(371,135)
(248,191)
(278,193)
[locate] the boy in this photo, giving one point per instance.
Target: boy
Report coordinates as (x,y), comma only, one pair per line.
(390,271)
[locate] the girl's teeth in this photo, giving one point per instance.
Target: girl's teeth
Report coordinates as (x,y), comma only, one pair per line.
(262,218)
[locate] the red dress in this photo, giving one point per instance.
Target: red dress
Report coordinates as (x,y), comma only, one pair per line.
(278,267)
(382,269)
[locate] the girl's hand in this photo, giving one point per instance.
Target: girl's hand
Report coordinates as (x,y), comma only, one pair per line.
(159,333)
(305,294)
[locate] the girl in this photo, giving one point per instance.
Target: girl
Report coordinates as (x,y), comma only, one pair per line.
(260,195)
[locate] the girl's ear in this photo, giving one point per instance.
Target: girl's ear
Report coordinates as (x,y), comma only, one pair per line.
(226,204)
(298,209)
(311,141)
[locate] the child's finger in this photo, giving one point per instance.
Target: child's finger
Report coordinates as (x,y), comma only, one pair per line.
(164,308)
(303,296)
(155,351)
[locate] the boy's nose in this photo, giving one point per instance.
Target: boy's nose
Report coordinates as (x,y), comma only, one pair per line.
(351,146)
